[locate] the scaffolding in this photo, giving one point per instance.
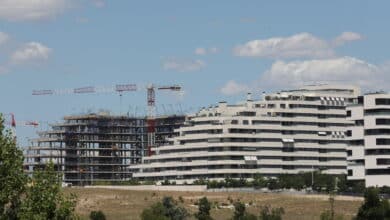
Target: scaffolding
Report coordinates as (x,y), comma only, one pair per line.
(92,148)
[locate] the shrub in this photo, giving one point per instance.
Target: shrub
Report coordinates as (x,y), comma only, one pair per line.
(373,206)
(97,215)
(267,213)
(167,209)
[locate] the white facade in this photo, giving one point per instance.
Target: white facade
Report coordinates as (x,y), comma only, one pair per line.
(369,140)
(286,132)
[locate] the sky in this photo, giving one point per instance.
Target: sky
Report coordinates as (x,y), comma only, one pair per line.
(216,51)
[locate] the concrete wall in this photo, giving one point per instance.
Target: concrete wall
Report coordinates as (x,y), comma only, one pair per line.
(181,188)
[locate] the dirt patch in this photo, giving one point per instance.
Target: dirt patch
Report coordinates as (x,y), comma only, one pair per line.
(127,204)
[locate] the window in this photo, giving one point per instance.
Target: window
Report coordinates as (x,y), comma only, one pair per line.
(322,150)
(349,153)
(323,159)
(377,112)
(378,172)
(377,132)
(288,167)
(382,101)
(350,173)
(349,113)
(245,122)
(359,122)
(383,121)
(382,141)
(383,161)
(378,152)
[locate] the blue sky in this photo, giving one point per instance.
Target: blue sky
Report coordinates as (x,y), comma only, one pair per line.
(216,51)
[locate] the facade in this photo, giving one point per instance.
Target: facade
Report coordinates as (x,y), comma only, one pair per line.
(97,147)
(287,132)
(369,140)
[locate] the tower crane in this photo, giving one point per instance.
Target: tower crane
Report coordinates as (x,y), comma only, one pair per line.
(121,88)
(151,120)
(13,123)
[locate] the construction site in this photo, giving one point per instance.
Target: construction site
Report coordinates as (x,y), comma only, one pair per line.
(99,147)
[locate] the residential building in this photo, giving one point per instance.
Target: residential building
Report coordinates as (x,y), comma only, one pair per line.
(369,140)
(293,131)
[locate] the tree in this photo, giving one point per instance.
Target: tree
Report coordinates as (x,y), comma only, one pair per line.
(167,209)
(44,198)
(267,213)
(97,215)
(240,213)
(259,181)
(373,207)
(12,178)
(204,209)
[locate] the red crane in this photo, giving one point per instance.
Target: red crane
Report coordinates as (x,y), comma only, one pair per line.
(13,123)
(151,120)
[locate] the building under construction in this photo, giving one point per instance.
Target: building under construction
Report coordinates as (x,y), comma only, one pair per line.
(92,148)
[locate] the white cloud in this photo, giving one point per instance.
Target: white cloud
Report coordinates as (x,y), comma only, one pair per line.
(299,45)
(3,38)
(346,37)
(234,88)
(302,45)
(204,51)
(183,65)
(31,10)
(31,52)
(343,70)
(336,70)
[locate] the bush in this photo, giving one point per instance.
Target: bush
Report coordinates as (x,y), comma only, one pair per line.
(240,212)
(167,209)
(97,215)
(203,209)
(373,206)
(267,213)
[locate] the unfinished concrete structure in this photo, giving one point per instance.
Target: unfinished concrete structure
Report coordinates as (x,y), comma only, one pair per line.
(97,147)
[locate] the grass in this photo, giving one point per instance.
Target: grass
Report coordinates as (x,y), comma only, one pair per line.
(126,204)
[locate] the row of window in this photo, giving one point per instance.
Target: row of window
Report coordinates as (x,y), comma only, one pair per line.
(221,158)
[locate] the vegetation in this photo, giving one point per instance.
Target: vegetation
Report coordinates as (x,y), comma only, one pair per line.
(316,181)
(167,209)
(97,215)
(268,213)
(330,213)
(240,212)
(374,208)
(204,209)
(21,197)
(12,178)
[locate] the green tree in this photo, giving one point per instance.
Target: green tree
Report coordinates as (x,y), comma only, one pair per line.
(259,181)
(204,209)
(373,207)
(44,198)
(12,178)
(167,209)
(240,212)
(268,213)
(97,215)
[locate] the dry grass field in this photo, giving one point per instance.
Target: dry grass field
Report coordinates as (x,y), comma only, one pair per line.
(126,204)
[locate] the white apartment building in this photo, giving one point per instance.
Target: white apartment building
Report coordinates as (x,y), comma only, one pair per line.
(369,140)
(286,132)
